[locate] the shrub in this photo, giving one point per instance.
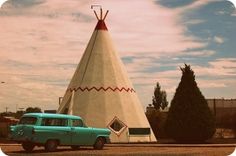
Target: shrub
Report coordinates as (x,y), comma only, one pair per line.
(189,119)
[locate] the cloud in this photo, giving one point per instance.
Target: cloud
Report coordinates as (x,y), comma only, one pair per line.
(19,7)
(210,84)
(218,39)
(219,67)
(194,5)
(219,74)
(45,9)
(61,33)
(17,92)
(194,21)
(184,5)
(23,3)
(161,25)
(203,53)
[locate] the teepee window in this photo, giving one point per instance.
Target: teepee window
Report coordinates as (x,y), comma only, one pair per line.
(117,126)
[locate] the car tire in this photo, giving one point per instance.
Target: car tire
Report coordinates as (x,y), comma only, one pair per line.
(99,143)
(75,147)
(51,145)
(28,146)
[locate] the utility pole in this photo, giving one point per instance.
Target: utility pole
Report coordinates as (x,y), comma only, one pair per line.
(60,99)
(214,106)
(16,107)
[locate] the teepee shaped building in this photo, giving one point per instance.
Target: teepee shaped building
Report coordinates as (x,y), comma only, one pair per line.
(101,92)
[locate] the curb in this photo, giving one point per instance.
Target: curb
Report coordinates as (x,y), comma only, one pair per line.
(170,145)
(154,145)
(10,144)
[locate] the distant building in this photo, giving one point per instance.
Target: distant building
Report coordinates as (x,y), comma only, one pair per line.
(150,109)
(5,123)
(50,111)
(224,111)
(226,104)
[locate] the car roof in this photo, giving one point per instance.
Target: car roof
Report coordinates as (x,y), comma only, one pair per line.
(51,115)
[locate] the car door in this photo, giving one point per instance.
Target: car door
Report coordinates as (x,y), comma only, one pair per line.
(80,134)
(56,128)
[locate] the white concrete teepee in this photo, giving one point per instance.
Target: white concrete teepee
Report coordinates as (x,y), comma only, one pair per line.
(101,92)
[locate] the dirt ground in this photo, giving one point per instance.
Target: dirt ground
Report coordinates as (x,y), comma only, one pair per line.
(129,150)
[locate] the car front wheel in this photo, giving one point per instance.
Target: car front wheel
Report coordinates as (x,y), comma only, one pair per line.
(99,143)
(51,145)
(28,146)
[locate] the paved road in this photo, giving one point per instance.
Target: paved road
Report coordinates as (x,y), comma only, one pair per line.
(127,150)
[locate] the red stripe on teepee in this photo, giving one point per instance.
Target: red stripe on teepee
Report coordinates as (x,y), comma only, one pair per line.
(122,89)
(101,25)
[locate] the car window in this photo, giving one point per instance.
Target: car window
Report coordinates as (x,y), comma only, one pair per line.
(54,122)
(28,120)
(77,123)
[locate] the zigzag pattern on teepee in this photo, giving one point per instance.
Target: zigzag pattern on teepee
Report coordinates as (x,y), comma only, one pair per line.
(102,89)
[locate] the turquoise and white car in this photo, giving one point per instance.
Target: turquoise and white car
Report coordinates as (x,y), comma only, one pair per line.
(52,130)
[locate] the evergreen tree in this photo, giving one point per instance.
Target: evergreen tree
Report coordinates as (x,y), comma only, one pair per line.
(159,99)
(164,103)
(33,110)
(189,118)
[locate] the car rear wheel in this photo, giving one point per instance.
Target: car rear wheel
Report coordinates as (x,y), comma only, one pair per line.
(28,146)
(75,147)
(99,143)
(51,145)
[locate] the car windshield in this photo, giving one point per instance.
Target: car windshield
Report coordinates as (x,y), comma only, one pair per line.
(28,120)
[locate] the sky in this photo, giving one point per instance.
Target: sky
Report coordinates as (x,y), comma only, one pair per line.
(42,41)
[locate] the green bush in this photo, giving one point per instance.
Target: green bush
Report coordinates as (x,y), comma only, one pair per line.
(157,121)
(189,119)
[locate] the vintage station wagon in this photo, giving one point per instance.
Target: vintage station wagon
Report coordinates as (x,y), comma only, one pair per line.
(52,130)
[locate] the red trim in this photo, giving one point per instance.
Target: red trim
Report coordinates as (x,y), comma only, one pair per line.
(102,89)
(101,25)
